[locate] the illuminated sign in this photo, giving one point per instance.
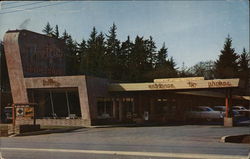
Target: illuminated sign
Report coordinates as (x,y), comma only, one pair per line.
(20,112)
(28,112)
(24,111)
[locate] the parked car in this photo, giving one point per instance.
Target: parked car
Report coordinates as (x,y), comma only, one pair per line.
(236,114)
(242,110)
(205,113)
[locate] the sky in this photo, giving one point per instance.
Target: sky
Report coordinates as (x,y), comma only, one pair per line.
(193,31)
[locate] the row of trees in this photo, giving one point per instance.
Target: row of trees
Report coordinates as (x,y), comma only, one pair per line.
(139,60)
(104,55)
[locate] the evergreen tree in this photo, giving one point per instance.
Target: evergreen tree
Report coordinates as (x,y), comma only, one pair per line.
(244,61)
(244,66)
(138,60)
(72,57)
(65,36)
(171,68)
(172,63)
(100,54)
(113,57)
(82,47)
(151,52)
(164,68)
(48,30)
(91,51)
(56,32)
(95,54)
(161,56)
(126,50)
(227,66)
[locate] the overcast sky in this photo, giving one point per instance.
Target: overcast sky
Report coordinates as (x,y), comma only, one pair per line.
(192,30)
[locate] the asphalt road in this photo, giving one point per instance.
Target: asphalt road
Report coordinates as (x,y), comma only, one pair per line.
(190,141)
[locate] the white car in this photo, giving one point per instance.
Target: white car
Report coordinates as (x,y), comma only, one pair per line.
(223,110)
(242,110)
(205,112)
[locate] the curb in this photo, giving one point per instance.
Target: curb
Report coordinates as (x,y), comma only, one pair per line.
(112,126)
(50,131)
(133,125)
(245,138)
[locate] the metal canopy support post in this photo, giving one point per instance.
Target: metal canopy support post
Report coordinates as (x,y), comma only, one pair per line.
(52,104)
(114,107)
(120,109)
(228,119)
(226,103)
(230,110)
(67,103)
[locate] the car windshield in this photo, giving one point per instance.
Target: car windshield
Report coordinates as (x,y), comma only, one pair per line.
(209,109)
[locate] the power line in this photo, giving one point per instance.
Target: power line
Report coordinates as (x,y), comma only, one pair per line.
(21,5)
(33,8)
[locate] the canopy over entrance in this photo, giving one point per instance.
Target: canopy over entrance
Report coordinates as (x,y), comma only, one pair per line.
(175,84)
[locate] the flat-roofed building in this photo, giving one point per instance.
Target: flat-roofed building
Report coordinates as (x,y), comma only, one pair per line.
(36,68)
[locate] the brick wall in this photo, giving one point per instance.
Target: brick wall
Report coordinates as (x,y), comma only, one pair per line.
(57,122)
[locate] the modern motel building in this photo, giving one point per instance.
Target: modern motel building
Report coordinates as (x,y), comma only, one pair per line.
(36,70)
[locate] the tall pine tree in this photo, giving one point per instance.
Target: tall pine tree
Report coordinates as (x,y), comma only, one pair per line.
(126,50)
(48,30)
(161,56)
(244,67)
(164,68)
(91,52)
(56,32)
(99,57)
(82,47)
(227,66)
(112,56)
(137,60)
(72,57)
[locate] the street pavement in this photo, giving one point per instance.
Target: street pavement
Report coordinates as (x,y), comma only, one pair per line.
(155,142)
